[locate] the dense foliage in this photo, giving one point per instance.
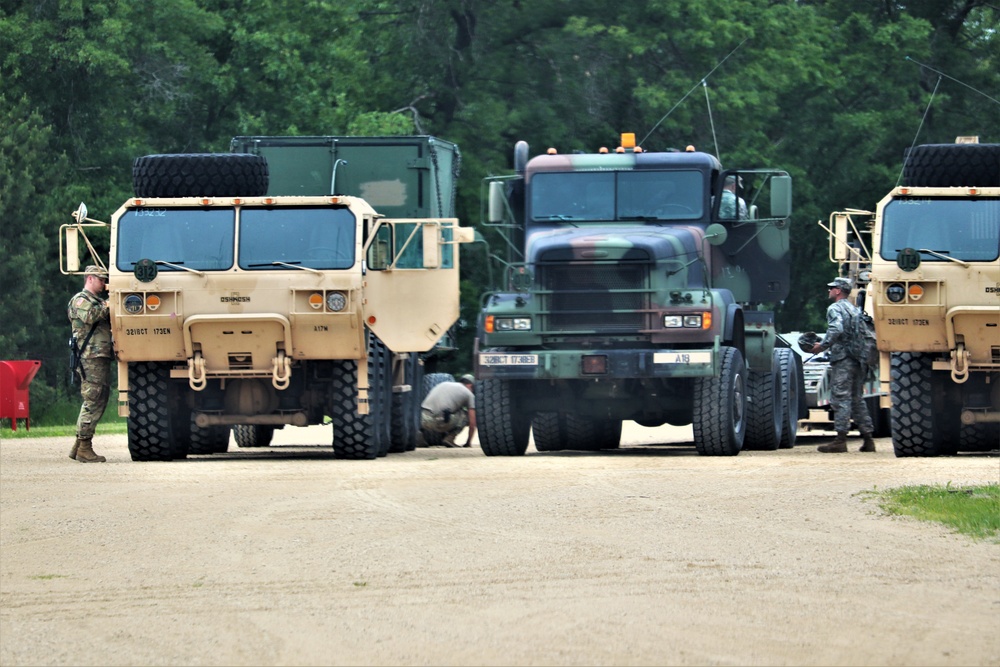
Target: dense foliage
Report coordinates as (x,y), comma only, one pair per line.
(832,91)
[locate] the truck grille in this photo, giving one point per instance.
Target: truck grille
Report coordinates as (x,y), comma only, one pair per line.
(593,298)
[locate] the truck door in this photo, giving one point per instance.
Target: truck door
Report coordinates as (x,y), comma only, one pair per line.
(411,288)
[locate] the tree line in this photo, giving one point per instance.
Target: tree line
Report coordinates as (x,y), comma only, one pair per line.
(833,91)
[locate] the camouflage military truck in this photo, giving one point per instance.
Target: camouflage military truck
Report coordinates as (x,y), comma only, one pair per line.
(935,292)
(637,287)
(231,306)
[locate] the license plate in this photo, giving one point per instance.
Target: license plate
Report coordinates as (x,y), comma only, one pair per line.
(508,359)
(682,357)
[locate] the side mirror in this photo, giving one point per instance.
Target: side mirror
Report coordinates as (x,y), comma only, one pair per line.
(72,235)
(716,234)
(841,252)
(781,196)
(432,245)
(496,202)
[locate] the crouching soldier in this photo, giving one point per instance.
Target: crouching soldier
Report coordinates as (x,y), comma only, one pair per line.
(448,408)
(91,322)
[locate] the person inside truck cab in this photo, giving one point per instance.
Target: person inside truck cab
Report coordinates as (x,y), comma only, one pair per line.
(732,203)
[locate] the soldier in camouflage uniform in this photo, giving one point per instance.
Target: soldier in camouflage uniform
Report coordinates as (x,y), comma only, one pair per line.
(848,378)
(89,312)
(449,408)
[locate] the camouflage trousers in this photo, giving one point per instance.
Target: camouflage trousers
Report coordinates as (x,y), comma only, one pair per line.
(847,385)
(95,388)
(431,421)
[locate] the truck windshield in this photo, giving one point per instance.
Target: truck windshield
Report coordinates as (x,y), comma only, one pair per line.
(193,238)
(966,229)
(624,195)
(309,236)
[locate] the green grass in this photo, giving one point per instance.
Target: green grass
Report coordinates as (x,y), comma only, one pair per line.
(970,510)
(108,425)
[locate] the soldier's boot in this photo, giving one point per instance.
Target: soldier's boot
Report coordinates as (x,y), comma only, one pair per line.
(85,452)
(76,446)
(869,444)
(838,446)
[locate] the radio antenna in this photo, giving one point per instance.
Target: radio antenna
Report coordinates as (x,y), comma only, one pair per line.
(700,82)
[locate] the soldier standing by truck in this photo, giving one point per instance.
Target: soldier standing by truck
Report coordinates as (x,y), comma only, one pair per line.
(848,375)
(90,318)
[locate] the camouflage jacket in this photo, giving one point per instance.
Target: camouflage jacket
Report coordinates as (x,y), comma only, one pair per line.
(838,319)
(84,309)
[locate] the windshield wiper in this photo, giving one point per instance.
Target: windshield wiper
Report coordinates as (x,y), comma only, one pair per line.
(942,256)
(178,265)
(295,265)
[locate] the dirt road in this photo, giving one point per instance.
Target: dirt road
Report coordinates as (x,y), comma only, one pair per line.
(645,555)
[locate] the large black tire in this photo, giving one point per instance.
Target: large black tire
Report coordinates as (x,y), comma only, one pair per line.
(789,369)
(720,404)
(881,420)
(916,430)
(765,409)
(503,427)
(431,380)
(253,435)
(200,175)
(610,433)
(548,430)
(154,431)
(208,440)
(380,390)
(406,410)
(979,437)
(355,436)
(952,165)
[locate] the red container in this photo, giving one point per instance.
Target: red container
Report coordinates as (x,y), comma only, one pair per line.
(15,376)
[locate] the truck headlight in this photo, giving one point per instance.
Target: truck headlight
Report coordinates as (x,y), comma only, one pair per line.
(336,301)
(512,324)
(895,292)
(132,304)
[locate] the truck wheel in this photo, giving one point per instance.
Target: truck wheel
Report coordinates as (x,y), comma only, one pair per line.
(978,437)
(609,434)
(208,440)
(200,175)
(720,404)
(765,412)
(791,385)
(549,431)
(503,428)
(355,435)
(952,165)
(880,418)
(252,435)
(380,390)
(915,429)
(153,433)
(406,410)
(431,380)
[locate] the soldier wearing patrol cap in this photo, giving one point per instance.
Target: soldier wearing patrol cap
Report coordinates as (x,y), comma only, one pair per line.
(449,408)
(848,378)
(89,316)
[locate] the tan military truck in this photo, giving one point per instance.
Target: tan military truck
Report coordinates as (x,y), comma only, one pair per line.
(935,296)
(233,307)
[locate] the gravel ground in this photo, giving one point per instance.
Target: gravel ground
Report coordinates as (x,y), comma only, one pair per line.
(648,555)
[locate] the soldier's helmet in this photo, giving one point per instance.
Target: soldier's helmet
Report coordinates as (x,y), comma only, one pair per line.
(467,379)
(94,270)
(843,284)
(807,340)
